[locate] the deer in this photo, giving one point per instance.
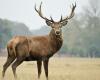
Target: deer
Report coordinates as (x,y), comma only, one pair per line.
(37,48)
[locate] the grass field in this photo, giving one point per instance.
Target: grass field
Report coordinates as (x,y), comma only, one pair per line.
(59,69)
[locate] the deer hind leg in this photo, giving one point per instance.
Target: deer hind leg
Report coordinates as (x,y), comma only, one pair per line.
(45,62)
(15,65)
(39,64)
(7,64)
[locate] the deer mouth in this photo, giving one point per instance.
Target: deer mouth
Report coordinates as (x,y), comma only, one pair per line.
(58,35)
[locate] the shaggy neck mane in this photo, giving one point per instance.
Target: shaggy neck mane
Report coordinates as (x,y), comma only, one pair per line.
(55,41)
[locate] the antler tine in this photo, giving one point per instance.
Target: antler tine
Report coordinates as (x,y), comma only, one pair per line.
(51,19)
(35,8)
(39,11)
(72,11)
(61,18)
(71,14)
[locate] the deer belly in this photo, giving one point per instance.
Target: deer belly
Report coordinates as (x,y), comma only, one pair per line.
(33,58)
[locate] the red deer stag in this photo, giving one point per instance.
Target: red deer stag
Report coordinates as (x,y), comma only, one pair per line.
(36,48)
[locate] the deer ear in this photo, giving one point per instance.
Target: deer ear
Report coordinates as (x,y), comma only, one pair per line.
(63,23)
(48,22)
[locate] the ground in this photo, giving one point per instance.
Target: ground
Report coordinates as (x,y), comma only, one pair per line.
(59,69)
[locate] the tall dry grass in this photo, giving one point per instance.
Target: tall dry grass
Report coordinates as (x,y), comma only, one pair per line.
(59,69)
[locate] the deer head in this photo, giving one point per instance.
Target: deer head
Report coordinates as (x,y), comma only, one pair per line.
(56,26)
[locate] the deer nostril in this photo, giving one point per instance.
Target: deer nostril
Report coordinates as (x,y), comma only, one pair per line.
(57,32)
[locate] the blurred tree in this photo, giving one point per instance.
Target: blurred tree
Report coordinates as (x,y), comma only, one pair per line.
(92,27)
(8,29)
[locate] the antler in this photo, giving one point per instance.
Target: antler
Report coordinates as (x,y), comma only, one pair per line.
(41,15)
(71,14)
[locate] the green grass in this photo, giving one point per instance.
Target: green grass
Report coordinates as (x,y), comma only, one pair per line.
(59,69)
